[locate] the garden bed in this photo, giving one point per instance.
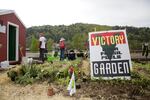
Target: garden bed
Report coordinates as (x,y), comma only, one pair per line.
(48,75)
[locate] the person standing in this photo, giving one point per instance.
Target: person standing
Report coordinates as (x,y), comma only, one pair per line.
(42,46)
(145,50)
(62,48)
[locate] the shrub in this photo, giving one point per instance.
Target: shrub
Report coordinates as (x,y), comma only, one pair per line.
(12,74)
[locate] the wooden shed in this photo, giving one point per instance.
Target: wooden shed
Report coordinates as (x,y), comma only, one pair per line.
(12,36)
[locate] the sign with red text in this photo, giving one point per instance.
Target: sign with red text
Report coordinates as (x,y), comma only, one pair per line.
(109,54)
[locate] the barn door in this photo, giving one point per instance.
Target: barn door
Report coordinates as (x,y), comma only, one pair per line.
(12,43)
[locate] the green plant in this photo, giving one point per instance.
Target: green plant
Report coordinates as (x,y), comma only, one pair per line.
(25,75)
(28,74)
(12,74)
(63,81)
(135,75)
(34,44)
(33,70)
(26,79)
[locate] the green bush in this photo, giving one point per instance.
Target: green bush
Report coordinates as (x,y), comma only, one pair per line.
(32,70)
(34,44)
(12,74)
(49,74)
(26,79)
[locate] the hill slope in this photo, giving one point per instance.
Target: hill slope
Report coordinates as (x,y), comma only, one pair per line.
(136,36)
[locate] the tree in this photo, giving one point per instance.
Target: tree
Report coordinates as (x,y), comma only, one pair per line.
(78,41)
(136,36)
(50,43)
(34,44)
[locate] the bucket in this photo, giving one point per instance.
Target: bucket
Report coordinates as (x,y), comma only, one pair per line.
(4,64)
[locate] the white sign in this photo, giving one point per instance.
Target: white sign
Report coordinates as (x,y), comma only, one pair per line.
(2,29)
(72,86)
(109,54)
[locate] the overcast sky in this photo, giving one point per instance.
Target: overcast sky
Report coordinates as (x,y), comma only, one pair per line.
(103,12)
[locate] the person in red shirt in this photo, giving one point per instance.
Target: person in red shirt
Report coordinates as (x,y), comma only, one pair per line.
(62,48)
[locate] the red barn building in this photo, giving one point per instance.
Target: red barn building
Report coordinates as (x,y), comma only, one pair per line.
(12,36)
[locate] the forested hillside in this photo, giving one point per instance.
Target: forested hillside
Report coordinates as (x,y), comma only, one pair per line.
(136,36)
(76,35)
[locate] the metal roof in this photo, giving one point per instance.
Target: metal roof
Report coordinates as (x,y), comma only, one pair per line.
(5,11)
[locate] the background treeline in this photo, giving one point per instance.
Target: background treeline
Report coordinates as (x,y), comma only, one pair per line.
(76,35)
